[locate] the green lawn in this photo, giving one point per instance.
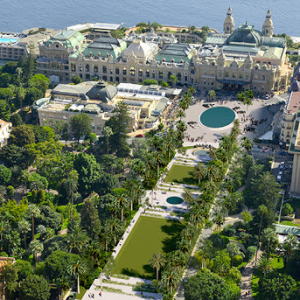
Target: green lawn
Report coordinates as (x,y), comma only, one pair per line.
(289,223)
(150,235)
(82,292)
(181,174)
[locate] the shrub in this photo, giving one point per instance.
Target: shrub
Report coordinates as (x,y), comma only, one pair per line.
(251,252)
(287,210)
(237,260)
(229,230)
(3,254)
(10,191)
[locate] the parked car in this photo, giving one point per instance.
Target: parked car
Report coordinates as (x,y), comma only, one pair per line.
(139,136)
(278,178)
(281,166)
(283,152)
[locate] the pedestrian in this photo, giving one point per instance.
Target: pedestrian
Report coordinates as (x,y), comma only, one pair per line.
(100,294)
(89,295)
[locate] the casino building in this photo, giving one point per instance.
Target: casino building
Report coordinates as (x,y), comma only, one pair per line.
(242,58)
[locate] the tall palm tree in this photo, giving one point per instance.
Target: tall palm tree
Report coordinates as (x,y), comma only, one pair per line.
(188,197)
(170,279)
(196,217)
(20,95)
(177,260)
(122,203)
(24,227)
(200,171)
(204,250)
(115,228)
(192,90)
(183,246)
(289,245)
(269,236)
(71,184)
(233,250)
(76,269)
(33,212)
(107,132)
(247,143)
(157,262)
(76,238)
(19,72)
(219,219)
(36,247)
(262,210)
(157,159)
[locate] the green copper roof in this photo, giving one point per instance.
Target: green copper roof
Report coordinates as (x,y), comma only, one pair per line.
(216,39)
(69,38)
(273,42)
(176,52)
(105,46)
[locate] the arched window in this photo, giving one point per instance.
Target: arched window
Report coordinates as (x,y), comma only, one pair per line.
(87,68)
(140,72)
(104,69)
(160,74)
(132,71)
(179,76)
(96,69)
(147,73)
(124,71)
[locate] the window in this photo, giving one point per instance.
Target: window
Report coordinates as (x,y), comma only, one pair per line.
(240,75)
(226,74)
(263,77)
(153,75)
(96,69)
(73,67)
(247,77)
(233,75)
(117,71)
(132,71)
(178,76)
(220,74)
(87,68)
(140,72)
(124,71)
(147,73)
(104,69)
(160,74)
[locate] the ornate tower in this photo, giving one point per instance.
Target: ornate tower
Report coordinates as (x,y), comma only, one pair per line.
(229,22)
(267,29)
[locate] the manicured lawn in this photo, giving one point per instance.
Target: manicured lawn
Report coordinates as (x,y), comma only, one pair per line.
(289,223)
(181,174)
(82,292)
(150,235)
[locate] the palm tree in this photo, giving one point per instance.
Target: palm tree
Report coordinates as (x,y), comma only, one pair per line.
(19,72)
(115,228)
(183,246)
(211,95)
(24,227)
(122,203)
(107,132)
(71,184)
(192,90)
(289,245)
(196,217)
(187,233)
(157,262)
(247,143)
(177,260)
(138,167)
(157,159)
(262,210)
(269,236)
(233,250)
(170,279)
(76,238)
(33,212)
(200,171)
(188,197)
(204,250)
(77,268)
(264,266)
(36,247)
(219,219)
(174,79)
(180,114)
(20,95)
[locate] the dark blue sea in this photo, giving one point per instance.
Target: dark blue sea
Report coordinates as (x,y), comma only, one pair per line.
(17,15)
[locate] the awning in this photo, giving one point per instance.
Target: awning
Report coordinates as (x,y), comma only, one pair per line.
(267,136)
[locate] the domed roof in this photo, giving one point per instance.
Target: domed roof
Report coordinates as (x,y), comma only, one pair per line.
(245,34)
(140,49)
(102,91)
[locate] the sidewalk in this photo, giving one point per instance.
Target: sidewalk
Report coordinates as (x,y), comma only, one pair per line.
(246,279)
